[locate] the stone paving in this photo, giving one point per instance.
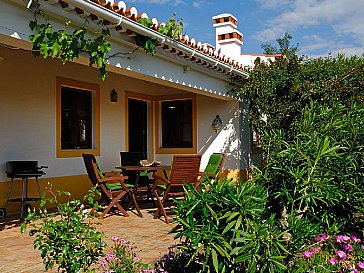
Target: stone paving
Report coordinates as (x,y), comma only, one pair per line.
(149,235)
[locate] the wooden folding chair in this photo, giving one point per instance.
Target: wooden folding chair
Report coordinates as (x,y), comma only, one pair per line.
(112,186)
(185,169)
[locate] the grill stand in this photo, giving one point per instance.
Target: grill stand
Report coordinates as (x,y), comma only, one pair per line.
(23,200)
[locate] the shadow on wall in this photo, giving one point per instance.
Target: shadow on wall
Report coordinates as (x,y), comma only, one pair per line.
(233,140)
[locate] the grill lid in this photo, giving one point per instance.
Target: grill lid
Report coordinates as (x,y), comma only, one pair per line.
(23,167)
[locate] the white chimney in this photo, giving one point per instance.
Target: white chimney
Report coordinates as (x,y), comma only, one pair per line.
(228,39)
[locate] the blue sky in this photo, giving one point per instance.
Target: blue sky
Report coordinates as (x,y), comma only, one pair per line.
(318,26)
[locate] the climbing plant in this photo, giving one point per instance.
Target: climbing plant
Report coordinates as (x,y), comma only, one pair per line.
(69,45)
(173,29)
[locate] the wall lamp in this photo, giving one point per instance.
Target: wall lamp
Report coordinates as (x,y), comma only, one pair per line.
(32,5)
(217,123)
(113,96)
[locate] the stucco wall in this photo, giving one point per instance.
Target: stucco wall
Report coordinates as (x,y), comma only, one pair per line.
(233,139)
(28,114)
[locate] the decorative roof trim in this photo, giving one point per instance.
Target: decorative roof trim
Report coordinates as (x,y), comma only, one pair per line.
(117,15)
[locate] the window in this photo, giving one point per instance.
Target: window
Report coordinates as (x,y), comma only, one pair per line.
(176,124)
(77,118)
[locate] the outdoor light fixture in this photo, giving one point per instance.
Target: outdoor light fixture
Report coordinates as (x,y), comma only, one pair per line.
(33,5)
(216,123)
(113,96)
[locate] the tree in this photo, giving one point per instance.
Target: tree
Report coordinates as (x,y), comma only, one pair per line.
(284,46)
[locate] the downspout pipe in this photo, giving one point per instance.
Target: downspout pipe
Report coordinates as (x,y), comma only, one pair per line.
(118,19)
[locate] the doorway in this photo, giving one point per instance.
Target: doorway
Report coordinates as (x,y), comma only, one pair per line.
(138,126)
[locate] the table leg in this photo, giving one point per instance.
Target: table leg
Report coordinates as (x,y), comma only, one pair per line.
(38,186)
(9,193)
(22,198)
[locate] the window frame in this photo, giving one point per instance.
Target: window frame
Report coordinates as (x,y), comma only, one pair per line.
(95,90)
(158,133)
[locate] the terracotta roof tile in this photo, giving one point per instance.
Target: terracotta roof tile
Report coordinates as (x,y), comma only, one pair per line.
(132,13)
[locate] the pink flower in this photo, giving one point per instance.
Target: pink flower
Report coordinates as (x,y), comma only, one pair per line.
(307,254)
(333,261)
(355,239)
(341,254)
(346,238)
(114,238)
(354,271)
(314,250)
(339,239)
(321,238)
(136,259)
(110,256)
(103,263)
(122,241)
(348,247)
(360,265)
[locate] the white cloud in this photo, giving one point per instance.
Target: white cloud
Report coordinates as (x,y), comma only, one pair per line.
(196,4)
(160,2)
(342,21)
(315,43)
(273,4)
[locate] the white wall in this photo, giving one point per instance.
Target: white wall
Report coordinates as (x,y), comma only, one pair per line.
(28,115)
(233,139)
(248,59)
(14,20)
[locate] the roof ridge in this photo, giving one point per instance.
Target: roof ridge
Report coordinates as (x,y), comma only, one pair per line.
(121,8)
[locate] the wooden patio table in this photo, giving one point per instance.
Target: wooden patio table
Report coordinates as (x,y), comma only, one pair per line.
(140,168)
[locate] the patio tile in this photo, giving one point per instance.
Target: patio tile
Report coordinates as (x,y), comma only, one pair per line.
(149,235)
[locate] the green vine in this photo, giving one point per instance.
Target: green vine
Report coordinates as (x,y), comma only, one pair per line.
(173,29)
(69,46)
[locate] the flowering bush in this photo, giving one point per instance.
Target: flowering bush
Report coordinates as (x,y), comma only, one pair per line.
(123,259)
(343,253)
(67,240)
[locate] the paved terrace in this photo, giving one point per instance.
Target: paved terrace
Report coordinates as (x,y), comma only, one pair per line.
(149,235)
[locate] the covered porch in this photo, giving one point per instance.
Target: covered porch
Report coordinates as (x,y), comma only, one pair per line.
(33,119)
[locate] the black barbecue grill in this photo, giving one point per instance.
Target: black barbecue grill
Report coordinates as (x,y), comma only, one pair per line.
(24,170)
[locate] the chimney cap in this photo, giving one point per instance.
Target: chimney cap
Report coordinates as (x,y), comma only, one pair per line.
(223,15)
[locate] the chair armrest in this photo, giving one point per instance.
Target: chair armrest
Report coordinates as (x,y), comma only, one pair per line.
(164,180)
(157,178)
(108,174)
(202,174)
(113,179)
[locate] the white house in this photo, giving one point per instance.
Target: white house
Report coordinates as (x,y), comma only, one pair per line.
(186,80)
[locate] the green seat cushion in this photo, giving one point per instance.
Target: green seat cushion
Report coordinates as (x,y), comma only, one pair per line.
(116,187)
(161,187)
(143,173)
(173,189)
(213,164)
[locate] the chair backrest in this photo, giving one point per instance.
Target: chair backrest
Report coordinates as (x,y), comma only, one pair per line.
(131,158)
(185,168)
(216,161)
(89,159)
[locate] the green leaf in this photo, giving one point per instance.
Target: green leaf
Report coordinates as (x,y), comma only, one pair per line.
(215,260)
(23,227)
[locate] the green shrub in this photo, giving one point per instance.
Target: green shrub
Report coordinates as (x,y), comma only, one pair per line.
(226,230)
(320,172)
(67,239)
